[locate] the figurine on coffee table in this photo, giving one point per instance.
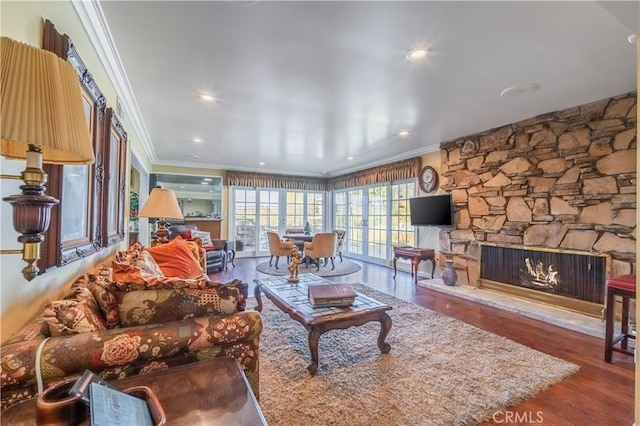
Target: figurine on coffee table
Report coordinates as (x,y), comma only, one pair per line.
(296,260)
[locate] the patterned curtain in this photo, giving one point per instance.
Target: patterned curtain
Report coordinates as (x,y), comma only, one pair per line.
(404,169)
(399,170)
(263,180)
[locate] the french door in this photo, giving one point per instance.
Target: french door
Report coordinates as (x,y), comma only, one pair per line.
(256,211)
(376,218)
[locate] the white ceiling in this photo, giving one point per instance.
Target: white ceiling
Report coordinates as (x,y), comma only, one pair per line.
(301,86)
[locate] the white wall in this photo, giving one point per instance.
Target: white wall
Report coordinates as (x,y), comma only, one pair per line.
(22,300)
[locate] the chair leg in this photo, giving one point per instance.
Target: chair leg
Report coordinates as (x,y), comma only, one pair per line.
(609,319)
(277,258)
(340,257)
(318,264)
(333,265)
(625,323)
(270,260)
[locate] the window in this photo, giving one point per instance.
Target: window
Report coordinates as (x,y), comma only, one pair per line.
(314,210)
(402,232)
(294,217)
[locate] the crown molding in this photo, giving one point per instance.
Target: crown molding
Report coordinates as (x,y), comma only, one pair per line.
(97,29)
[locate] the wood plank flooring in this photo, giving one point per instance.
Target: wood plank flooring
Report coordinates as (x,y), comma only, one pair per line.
(599,394)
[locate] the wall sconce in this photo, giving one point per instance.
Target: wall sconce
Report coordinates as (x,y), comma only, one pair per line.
(43,121)
(161,204)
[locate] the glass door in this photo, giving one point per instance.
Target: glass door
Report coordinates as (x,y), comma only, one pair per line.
(257,211)
(376,221)
(269,218)
(376,218)
(355,215)
(245,224)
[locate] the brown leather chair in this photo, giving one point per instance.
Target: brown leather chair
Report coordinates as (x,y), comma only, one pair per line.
(322,245)
(277,247)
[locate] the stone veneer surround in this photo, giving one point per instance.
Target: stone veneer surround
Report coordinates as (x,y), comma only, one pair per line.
(565,179)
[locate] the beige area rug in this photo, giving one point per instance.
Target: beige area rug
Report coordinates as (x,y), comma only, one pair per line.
(342,268)
(440,371)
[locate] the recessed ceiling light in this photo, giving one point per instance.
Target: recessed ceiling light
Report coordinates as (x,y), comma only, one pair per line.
(193,157)
(418,53)
(404,133)
(350,158)
(519,89)
(197,140)
(181,187)
(261,163)
(207,98)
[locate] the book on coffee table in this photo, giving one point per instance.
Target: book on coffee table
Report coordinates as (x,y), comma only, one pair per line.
(331,295)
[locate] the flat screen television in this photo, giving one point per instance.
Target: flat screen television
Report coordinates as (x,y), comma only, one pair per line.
(431,211)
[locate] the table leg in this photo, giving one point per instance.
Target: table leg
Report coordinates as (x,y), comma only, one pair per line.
(433,266)
(395,270)
(256,293)
(385,327)
(414,268)
(314,337)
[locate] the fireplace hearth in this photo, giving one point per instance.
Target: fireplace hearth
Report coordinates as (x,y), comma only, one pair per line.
(569,279)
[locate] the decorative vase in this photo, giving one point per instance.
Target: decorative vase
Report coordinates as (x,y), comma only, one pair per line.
(449,275)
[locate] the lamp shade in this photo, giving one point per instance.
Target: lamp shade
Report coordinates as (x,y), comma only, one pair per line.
(41,104)
(162,203)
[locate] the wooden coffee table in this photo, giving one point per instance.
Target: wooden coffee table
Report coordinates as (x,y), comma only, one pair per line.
(214,392)
(292,299)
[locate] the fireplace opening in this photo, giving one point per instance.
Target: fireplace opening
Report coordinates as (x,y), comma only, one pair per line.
(569,279)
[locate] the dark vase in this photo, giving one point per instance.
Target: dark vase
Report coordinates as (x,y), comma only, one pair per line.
(449,275)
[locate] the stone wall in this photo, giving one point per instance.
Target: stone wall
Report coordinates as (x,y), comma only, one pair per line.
(566,180)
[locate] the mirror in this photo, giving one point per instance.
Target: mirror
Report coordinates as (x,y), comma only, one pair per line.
(198,196)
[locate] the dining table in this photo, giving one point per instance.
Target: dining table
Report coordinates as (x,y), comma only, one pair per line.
(298,237)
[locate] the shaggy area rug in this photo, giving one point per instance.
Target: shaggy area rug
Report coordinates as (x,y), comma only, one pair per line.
(440,371)
(342,268)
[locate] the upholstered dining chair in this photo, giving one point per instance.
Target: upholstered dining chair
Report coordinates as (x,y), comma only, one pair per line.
(277,247)
(340,233)
(322,245)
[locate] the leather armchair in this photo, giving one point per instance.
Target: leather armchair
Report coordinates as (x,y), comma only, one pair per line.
(322,245)
(277,247)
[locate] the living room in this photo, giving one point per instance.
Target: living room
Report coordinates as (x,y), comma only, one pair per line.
(606,226)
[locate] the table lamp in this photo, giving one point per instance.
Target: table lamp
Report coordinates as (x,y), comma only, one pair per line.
(161,204)
(43,121)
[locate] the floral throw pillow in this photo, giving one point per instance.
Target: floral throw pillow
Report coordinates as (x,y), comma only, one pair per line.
(72,317)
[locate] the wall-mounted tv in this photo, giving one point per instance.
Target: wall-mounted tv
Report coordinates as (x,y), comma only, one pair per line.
(431,211)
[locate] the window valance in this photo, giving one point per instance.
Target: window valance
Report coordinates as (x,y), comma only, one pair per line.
(263,180)
(404,169)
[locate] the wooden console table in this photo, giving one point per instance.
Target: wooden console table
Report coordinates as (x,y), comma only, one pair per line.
(416,255)
(213,392)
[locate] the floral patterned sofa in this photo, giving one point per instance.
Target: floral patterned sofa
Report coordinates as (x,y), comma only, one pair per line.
(133,318)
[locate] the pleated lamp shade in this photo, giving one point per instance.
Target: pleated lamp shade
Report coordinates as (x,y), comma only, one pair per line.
(162,203)
(41,105)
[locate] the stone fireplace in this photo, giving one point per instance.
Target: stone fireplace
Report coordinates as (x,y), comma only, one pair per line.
(559,182)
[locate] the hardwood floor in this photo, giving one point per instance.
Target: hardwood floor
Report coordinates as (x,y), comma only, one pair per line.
(599,394)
